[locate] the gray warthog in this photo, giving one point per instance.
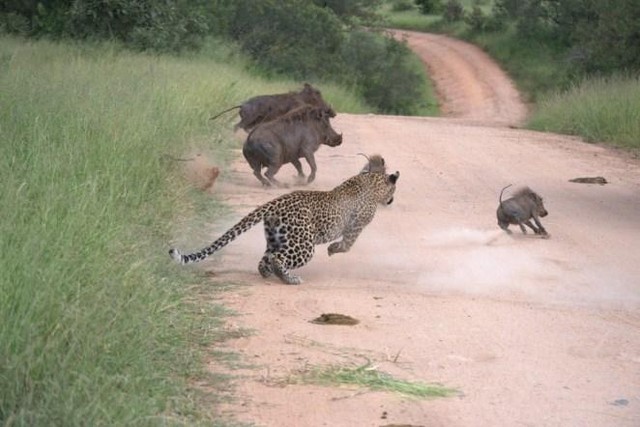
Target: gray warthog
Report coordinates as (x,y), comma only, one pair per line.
(297,134)
(264,108)
(375,164)
(525,205)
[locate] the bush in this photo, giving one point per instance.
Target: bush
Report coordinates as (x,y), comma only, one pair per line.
(381,69)
(309,42)
(170,25)
(476,20)
(401,5)
(290,36)
(453,11)
(13,23)
(429,7)
(596,36)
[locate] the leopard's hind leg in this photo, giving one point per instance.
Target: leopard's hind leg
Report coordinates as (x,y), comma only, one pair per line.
(264,266)
(289,246)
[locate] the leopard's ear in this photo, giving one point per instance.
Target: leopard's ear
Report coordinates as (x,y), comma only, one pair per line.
(393,177)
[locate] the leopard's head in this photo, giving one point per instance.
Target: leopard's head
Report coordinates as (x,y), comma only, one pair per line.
(388,188)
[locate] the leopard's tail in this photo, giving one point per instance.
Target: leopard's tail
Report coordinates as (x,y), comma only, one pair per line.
(230,235)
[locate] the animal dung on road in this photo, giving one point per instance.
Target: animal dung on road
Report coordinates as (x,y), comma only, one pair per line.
(590,180)
(334,319)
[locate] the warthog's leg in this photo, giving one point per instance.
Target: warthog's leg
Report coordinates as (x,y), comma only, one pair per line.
(257,171)
(541,229)
(296,163)
(271,171)
(312,164)
(521,224)
(531,226)
(505,227)
(258,174)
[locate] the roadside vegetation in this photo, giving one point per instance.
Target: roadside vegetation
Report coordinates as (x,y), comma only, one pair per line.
(333,41)
(96,327)
(370,378)
(557,52)
(599,109)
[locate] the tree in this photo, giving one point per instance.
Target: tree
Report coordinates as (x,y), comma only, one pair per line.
(429,7)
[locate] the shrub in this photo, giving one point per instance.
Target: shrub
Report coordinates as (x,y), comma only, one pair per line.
(13,23)
(453,11)
(429,7)
(401,5)
(170,25)
(381,69)
(476,20)
(290,36)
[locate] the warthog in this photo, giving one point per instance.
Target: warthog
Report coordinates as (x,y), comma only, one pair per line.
(265,108)
(525,205)
(297,134)
(375,164)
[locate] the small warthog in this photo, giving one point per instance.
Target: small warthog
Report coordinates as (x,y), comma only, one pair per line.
(264,108)
(375,164)
(297,134)
(525,205)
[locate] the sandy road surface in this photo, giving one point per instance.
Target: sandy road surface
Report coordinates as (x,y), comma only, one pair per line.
(531,332)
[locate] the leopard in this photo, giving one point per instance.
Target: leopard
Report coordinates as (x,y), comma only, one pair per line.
(296,222)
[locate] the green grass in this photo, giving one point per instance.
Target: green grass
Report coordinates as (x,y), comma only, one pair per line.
(598,109)
(368,377)
(410,19)
(538,67)
(97,327)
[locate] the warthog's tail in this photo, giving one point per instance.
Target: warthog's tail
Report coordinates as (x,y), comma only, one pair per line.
(365,156)
(245,224)
(225,111)
(502,191)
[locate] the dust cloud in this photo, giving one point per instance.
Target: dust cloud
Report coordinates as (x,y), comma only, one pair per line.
(495,264)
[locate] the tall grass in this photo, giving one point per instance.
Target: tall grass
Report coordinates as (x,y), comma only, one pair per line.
(538,67)
(598,109)
(95,327)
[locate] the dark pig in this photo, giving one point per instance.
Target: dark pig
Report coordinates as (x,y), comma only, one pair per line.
(295,135)
(375,164)
(520,209)
(265,108)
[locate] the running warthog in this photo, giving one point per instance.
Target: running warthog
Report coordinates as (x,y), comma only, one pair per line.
(375,164)
(264,108)
(525,205)
(297,134)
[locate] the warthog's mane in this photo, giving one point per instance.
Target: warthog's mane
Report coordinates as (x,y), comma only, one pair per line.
(301,114)
(523,191)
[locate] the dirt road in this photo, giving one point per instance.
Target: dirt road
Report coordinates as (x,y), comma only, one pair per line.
(530,331)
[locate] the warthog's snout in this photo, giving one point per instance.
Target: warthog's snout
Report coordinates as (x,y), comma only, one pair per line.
(544,213)
(334,141)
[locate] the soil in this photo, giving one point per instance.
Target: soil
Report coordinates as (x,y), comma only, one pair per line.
(530,331)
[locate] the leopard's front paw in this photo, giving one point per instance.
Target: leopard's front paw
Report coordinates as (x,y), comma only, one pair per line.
(335,247)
